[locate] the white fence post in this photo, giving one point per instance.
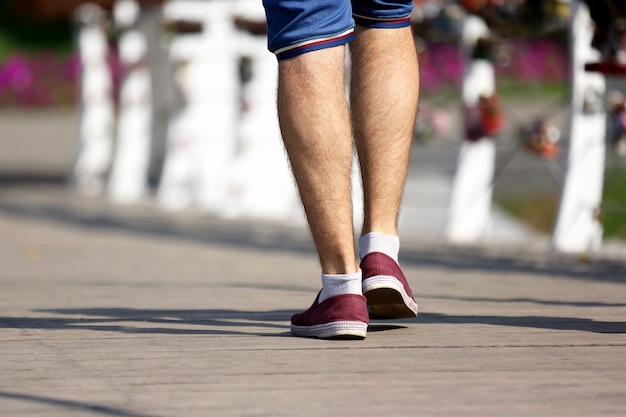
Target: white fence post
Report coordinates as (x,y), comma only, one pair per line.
(129,175)
(97,118)
(201,136)
(469,211)
(578,228)
(183,25)
(215,106)
(261,185)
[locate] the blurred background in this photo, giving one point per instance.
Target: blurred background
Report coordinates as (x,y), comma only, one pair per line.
(42,105)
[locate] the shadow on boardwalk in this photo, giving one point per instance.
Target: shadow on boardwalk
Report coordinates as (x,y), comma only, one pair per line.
(248,323)
(93,409)
(166,322)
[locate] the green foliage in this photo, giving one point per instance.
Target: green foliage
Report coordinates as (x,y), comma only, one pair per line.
(539,211)
(509,88)
(25,35)
(614,203)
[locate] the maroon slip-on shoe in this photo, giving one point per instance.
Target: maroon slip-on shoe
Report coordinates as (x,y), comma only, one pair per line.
(341,316)
(386,288)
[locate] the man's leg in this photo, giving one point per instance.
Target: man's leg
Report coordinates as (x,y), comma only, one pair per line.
(315,125)
(308,38)
(384,96)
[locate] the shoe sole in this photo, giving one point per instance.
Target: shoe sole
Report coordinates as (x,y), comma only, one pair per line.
(333,330)
(387,299)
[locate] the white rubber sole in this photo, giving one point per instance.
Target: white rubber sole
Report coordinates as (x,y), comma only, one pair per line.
(333,330)
(387,298)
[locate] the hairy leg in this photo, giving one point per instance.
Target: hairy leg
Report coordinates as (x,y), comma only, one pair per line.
(384,95)
(315,124)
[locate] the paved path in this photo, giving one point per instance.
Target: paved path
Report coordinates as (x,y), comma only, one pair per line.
(127,312)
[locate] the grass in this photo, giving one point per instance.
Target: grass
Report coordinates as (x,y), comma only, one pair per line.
(539,211)
(508,89)
(614,202)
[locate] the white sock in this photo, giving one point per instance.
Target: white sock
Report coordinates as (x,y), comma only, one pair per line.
(340,284)
(379,242)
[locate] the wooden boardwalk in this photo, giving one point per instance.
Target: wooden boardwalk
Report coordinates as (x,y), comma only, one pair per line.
(124,314)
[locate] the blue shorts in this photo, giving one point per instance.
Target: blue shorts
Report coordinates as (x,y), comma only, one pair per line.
(298,26)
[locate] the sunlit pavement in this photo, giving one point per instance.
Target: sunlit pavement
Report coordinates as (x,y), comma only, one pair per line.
(132,311)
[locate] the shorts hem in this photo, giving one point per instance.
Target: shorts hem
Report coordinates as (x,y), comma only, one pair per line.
(299,48)
(382,23)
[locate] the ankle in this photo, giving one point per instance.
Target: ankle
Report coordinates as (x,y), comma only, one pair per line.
(339,284)
(339,265)
(379,242)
